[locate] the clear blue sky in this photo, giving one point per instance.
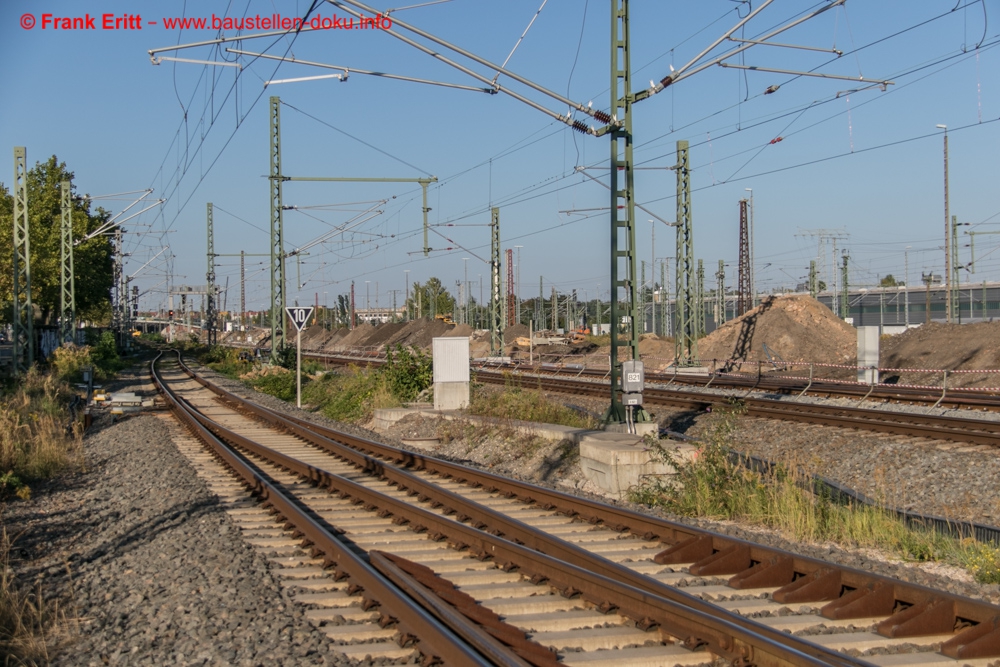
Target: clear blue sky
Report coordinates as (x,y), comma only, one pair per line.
(869,162)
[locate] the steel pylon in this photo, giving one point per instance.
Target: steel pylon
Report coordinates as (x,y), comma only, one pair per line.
(277,234)
(686,329)
(67,290)
(496,332)
(624,297)
(210,300)
(24,312)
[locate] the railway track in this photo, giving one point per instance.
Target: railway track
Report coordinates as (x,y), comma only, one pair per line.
(500,572)
(940,427)
(958,399)
(959,429)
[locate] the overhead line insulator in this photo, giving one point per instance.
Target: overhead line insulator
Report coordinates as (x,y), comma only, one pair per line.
(602,117)
(580,126)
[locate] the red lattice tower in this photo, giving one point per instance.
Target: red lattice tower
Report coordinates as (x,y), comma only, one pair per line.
(511,298)
(745,301)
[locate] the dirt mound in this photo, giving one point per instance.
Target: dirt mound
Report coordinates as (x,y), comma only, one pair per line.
(460,331)
(515,331)
(356,337)
(419,333)
(794,328)
(656,353)
(947,347)
(383,333)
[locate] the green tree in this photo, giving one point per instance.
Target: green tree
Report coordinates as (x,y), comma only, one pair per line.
(889,281)
(430,299)
(92,263)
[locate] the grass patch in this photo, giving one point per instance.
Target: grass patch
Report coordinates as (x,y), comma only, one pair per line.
(34,440)
(352,396)
(713,486)
(274,380)
(226,361)
(518,403)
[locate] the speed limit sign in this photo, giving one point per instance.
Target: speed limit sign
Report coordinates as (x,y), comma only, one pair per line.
(299,315)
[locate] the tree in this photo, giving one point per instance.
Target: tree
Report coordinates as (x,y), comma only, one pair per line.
(889,281)
(430,299)
(92,261)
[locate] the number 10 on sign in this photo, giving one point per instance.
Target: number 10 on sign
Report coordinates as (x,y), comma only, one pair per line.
(298,316)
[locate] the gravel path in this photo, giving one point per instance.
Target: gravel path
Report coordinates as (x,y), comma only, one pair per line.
(152,568)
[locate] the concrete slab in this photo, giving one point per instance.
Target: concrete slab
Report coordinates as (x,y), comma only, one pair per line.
(618,462)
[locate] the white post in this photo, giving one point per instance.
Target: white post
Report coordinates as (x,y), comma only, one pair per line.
(298,368)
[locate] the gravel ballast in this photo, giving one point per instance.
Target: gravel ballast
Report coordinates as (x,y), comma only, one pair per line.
(148,567)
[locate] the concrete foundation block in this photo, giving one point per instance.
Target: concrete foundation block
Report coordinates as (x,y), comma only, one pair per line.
(386,417)
(641,428)
(451,395)
(618,462)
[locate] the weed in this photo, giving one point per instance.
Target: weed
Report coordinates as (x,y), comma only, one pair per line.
(68,361)
(983,561)
(34,442)
(518,404)
(28,624)
(407,372)
(277,382)
(225,361)
(714,485)
(352,396)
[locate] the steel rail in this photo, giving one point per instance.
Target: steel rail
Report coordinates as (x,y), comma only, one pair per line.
(956,397)
(747,562)
(513,543)
(434,639)
(941,427)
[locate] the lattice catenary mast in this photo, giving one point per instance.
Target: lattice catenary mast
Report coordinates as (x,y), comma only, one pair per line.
(744,300)
(67,291)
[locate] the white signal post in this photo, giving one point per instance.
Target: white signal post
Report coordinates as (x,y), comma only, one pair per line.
(299,316)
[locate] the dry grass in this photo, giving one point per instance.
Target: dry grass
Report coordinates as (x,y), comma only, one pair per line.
(30,626)
(36,441)
(35,438)
(516,403)
(714,486)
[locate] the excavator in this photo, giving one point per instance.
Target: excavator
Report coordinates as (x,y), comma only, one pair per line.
(444,318)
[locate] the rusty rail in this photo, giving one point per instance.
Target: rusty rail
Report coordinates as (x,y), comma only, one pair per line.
(435,641)
(959,429)
(748,564)
(515,545)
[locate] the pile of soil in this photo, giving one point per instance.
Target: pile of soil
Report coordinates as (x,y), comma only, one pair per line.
(947,347)
(515,331)
(656,353)
(794,328)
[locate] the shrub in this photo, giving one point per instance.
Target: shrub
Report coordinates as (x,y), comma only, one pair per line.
(277,382)
(983,562)
(68,362)
(352,396)
(407,372)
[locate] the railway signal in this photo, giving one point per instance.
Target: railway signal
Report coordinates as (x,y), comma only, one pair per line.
(298,316)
